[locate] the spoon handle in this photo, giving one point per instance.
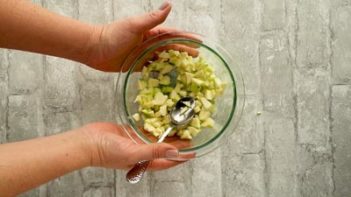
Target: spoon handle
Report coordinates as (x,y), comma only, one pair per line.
(135,174)
(164,134)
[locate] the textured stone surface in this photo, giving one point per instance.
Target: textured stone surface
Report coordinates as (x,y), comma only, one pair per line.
(69,185)
(239,34)
(294,135)
(341,27)
(25,72)
(249,135)
(243,175)
(3,94)
(274,62)
(280,156)
(341,127)
(274,15)
(60,97)
(312,85)
(206,174)
(23,111)
(312,34)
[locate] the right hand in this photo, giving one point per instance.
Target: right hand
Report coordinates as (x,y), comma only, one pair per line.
(110,147)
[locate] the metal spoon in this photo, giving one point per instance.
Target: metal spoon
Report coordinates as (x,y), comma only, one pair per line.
(181,115)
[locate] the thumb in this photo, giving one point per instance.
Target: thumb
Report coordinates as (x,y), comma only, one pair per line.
(154,151)
(151,19)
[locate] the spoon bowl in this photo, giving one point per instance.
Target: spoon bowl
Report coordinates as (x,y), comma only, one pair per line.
(181,114)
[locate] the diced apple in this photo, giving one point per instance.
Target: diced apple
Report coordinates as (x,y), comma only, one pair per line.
(166,69)
(159,99)
(169,103)
(136,117)
(206,103)
(148,127)
(193,131)
(209,122)
(153,82)
(174,95)
(204,114)
(195,122)
(141,84)
(197,81)
(164,55)
(182,93)
(163,110)
(165,80)
(186,135)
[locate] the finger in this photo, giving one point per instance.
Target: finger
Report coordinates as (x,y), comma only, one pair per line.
(173,32)
(152,151)
(159,30)
(181,48)
(152,19)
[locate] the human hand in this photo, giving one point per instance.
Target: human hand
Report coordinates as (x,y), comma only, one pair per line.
(111,147)
(111,43)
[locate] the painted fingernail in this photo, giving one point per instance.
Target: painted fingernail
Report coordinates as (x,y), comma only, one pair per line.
(164,5)
(172,153)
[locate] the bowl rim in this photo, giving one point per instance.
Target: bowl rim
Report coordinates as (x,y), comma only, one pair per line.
(135,56)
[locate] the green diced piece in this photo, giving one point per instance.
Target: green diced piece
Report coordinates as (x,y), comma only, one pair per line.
(153,82)
(148,112)
(166,89)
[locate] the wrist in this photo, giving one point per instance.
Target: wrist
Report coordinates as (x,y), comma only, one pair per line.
(89,144)
(92,47)
(86,144)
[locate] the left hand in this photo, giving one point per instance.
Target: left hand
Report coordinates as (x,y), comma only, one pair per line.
(112,43)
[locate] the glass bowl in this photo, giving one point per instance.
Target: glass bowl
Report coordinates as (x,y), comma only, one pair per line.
(229,105)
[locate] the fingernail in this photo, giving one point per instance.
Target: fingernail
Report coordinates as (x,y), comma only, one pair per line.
(164,5)
(172,153)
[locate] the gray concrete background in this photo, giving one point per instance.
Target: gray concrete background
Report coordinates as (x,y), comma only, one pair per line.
(295,57)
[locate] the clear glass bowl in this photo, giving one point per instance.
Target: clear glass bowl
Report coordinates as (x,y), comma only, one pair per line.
(229,105)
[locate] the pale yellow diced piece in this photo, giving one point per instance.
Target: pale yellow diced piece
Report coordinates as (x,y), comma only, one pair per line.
(136,117)
(141,84)
(204,114)
(186,135)
(206,104)
(169,103)
(163,110)
(148,127)
(193,131)
(159,99)
(195,122)
(209,122)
